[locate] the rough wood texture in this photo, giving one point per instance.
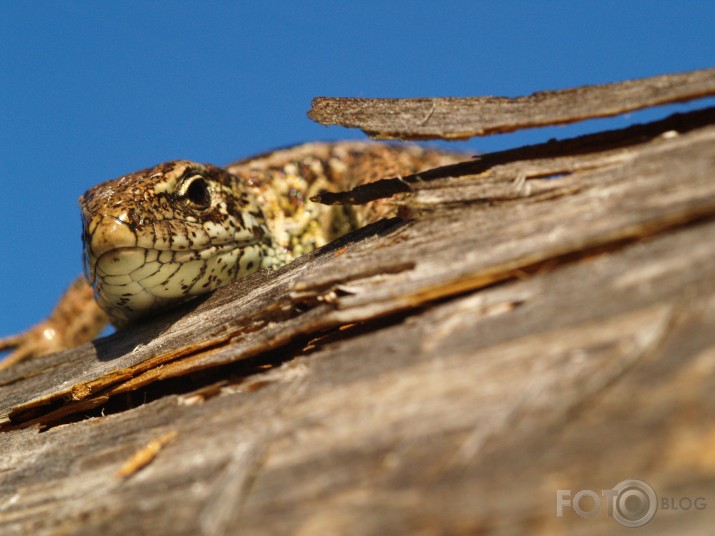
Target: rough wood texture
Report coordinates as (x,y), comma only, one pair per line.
(459,118)
(542,322)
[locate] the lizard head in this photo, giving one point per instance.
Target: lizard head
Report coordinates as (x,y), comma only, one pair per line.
(166,234)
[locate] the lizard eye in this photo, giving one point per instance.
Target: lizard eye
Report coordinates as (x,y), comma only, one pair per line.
(198,194)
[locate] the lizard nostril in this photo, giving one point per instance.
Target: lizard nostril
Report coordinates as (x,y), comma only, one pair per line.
(198,193)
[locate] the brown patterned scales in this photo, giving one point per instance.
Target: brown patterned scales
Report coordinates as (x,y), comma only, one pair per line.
(163,235)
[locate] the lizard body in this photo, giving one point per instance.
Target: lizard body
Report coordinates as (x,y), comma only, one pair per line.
(163,235)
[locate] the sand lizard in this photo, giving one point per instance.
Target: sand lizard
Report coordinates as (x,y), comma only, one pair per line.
(160,236)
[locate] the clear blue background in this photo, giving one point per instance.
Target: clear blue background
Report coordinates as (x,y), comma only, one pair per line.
(92,90)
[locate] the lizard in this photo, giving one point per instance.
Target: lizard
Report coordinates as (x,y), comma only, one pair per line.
(158,237)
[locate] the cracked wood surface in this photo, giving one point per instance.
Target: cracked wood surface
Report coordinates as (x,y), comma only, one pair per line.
(514,334)
(460,118)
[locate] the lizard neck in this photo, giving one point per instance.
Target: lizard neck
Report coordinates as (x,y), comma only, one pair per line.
(283,182)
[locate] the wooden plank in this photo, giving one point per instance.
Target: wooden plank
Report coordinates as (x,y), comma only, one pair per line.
(541,323)
(461,118)
(468,417)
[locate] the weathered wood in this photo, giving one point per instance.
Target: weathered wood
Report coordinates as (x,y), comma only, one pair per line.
(596,143)
(461,118)
(543,322)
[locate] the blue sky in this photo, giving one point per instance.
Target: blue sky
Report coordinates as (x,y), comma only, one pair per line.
(92,90)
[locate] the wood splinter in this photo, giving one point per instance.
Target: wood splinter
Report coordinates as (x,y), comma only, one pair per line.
(145,455)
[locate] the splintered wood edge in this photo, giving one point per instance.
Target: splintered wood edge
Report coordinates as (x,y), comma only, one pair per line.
(454,118)
(223,348)
(200,357)
(387,187)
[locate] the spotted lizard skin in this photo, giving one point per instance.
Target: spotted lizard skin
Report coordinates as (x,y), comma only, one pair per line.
(163,235)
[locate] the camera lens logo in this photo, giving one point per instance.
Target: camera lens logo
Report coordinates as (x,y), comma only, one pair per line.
(634,503)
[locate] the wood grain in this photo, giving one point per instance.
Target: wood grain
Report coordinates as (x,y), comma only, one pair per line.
(541,323)
(460,118)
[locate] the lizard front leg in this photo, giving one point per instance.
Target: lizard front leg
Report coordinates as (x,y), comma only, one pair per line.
(75,320)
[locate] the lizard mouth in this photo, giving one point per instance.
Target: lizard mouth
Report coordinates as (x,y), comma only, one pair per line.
(164,235)
(130,281)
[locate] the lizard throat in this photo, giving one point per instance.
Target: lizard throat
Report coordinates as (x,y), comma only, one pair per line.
(129,282)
